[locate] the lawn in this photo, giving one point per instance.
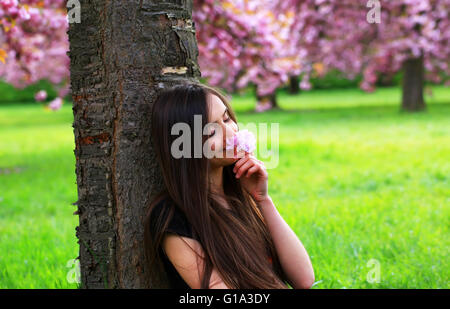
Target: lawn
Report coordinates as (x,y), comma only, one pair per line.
(357,180)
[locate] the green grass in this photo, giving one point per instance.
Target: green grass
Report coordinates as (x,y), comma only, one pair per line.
(356,180)
(10,94)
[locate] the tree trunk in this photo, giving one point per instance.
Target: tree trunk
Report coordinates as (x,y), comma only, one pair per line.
(293,85)
(386,80)
(413,78)
(121,55)
(266,102)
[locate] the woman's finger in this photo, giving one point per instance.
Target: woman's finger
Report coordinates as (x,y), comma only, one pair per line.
(240,162)
(244,167)
(256,160)
(262,165)
(252,170)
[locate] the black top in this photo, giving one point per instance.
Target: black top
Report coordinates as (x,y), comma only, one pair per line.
(177,225)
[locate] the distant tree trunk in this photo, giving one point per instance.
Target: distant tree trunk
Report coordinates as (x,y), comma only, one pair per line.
(122,53)
(413,80)
(266,102)
(293,85)
(386,80)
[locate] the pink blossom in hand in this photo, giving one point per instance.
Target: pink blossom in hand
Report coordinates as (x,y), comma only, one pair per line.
(231,142)
(243,140)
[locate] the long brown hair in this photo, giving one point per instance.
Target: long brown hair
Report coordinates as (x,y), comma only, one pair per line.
(237,242)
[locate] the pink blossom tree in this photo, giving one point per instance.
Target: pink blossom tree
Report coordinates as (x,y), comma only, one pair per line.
(409,35)
(241,42)
(33,45)
(261,43)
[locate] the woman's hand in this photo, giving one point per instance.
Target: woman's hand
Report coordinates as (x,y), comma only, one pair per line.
(253,176)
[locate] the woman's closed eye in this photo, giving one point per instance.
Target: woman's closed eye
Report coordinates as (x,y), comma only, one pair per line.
(214,131)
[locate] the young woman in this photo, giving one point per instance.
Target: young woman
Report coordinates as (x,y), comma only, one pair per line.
(215,225)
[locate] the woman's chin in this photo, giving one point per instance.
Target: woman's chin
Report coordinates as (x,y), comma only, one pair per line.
(230,161)
(223,161)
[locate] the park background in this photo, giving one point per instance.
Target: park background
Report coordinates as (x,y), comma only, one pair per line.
(364,173)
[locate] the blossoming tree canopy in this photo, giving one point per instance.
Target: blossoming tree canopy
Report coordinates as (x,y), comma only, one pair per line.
(243,42)
(346,37)
(34,43)
(258,42)
(240,42)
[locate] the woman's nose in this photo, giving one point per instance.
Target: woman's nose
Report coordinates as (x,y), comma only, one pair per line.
(229,132)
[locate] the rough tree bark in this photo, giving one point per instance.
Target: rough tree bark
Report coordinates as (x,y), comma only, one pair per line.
(121,55)
(413,79)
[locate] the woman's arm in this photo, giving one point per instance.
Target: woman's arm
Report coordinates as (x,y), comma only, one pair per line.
(293,257)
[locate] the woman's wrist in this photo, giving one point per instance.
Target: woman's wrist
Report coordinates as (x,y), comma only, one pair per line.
(264,201)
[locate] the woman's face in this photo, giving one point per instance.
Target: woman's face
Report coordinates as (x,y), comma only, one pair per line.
(217,142)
